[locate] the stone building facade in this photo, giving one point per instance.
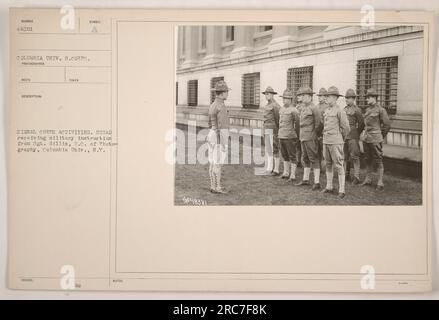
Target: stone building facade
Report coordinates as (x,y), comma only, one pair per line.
(250,58)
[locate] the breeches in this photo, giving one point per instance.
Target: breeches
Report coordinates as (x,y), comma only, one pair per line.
(334,156)
(310,154)
(289,149)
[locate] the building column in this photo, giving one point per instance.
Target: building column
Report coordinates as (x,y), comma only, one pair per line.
(213,44)
(191,47)
(243,41)
(283,37)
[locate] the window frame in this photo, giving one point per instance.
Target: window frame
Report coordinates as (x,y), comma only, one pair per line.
(295,83)
(232,34)
(190,84)
(370,74)
(252,102)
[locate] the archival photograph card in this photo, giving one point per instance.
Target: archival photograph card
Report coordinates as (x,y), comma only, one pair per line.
(220,150)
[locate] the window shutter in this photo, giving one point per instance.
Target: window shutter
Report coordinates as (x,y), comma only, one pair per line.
(192,93)
(250,94)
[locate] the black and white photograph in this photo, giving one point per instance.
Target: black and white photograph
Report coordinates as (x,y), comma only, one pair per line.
(292,114)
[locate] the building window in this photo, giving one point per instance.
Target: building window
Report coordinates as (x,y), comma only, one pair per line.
(176,93)
(250,90)
(203,37)
(213,81)
(230,33)
(192,92)
(299,77)
(265,28)
(381,74)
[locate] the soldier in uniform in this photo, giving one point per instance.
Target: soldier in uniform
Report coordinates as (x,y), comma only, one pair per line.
(322,107)
(310,127)
(351,146)
(377,125)
(288,135)
(271,123)
(299,147)
(218,136)
(335,130)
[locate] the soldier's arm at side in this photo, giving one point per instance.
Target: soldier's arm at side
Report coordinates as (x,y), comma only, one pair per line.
(344,123)
(213,113)
(213,117)
(385,122)
(297,123)
(360,120)
(276,115)
(318,124)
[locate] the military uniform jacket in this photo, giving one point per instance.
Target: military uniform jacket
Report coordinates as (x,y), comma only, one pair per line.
(310,122)
(271,116)
(218,116)
(322,107)
(356,121)
(377,124)
(289,123)
(335,125)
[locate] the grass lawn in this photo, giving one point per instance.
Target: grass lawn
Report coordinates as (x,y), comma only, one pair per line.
(246,188)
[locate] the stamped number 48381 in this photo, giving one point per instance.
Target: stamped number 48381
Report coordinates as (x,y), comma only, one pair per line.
(195,202)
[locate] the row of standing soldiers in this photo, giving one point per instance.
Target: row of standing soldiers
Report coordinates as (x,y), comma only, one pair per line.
(308,134)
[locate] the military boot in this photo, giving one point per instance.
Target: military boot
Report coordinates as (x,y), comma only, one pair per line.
(380,184)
